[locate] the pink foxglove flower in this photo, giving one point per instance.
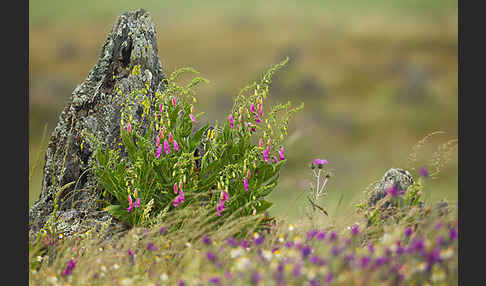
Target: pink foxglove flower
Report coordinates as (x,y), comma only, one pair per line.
(226,196)
(158,152)
(130,203)
(281,153)
(231,123)
(166,147)
(265,155)
(176,146)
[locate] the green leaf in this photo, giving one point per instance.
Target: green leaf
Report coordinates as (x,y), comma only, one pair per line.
(263,206)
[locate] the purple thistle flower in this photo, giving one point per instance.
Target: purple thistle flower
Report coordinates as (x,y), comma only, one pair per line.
(424,173)
(281,154)
(69,268)
(319,163)
(206,240)
(166,147)
(245,183)
(306,251)
(231,123)
(176,146)
(193,119)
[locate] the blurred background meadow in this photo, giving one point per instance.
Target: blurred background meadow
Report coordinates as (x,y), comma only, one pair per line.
(375,77)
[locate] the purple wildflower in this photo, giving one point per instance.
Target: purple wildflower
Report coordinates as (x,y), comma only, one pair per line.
(260,109)
(252,108)
(306,251)
(297,269)
(453,233)
(128,128)
(131,256)
(166,147)
(231,241)
(371,248)
(220,207)
(255,277)
(175,188)
(289,244)
(176,146)
(215,280)
(364,261)
(321,235)
(173,101)
(329,278)
(69,268)
(231,123)
(317,260)
(137,204)
(130,203)
(151,246)
(171,138)
(311,234)
(210,256)
(408,232)
(424,173)
(157,141)
(245,183)
(193,119)
(162,230)
(259,240)
(245,243)
(332,236)
(354,229)
(257,119)
(314,282)
(181,283)
(275,249)
(319,163)
(206,240)
(265,155)
(393,191)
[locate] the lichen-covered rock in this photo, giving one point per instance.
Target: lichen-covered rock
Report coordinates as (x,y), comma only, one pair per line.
(399,178)
(128,65)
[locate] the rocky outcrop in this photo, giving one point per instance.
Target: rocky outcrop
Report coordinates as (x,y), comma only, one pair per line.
(128,64)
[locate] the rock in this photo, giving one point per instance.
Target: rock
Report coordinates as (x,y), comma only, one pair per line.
(95,106)
(399,178)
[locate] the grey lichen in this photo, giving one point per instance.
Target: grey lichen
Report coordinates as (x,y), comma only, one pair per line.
(95,107)
(399,178)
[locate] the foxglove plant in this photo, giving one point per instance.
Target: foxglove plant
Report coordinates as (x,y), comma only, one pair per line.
(165,161)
